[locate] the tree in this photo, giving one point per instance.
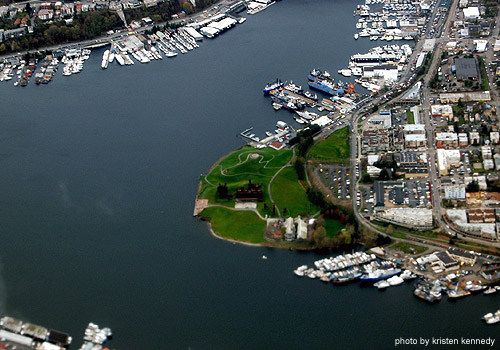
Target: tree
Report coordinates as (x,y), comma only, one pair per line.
(384,175)
(390,229)
(473,186)
(188,7)
(366,178)
(319,236)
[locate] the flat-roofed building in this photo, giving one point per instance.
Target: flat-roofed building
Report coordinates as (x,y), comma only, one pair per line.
(415,141)
(447,158)
(454,192)
(466,69)
(442,111)
(463,140)
(446,139)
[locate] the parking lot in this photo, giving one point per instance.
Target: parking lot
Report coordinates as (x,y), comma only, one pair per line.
(337,179)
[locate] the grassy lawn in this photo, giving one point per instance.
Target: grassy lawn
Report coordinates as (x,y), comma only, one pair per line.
(333,227)
(410,116)
(288,193)
(238,225)
(334,149)
(409,248)
(238,167)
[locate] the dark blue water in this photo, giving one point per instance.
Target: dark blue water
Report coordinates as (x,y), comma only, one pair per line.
(98,176)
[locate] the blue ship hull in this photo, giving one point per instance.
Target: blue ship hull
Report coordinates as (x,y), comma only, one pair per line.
(273,86)
(323,88)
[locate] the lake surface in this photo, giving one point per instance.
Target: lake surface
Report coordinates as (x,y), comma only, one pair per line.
(98,175)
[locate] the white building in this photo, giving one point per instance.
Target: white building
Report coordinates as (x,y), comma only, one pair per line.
(486,152)
(494,137)
(447,158)
(488,164)
(408,217)
(480,45)
(372,159)
(382,120)
(471,13)
(414,129)
(454,192)
(442,111)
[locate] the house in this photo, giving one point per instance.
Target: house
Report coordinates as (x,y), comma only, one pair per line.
(494,137)
(446,139)
(463,140)
(486,152)
(474,137)
(45,15)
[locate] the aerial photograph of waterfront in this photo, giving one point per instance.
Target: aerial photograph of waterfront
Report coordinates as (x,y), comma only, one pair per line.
(249,174)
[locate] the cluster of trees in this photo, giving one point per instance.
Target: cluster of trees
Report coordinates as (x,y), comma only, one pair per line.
(90,25)
(85,26)
(472,187)
(159,13)
(310,131)
(388,167)
(300,168)
(320,238)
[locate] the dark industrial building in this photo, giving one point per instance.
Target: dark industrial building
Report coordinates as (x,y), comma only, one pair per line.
(466,69)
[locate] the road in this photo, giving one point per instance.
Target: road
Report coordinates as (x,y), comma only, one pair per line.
(443,36)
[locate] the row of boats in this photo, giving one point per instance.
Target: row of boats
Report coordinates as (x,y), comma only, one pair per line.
(351,267)
(432,291)
(74,60)
(168,42)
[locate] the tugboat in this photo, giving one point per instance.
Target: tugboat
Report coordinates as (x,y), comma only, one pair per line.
(273,86)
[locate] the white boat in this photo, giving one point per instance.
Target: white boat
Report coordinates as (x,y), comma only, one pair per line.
(356,36)
(382,284)
(268,133)
(277,106)
(111,57)
(120,59)
(105,60)
(357,71)
(490,290)
(493,320)
(395,280)
(345,72)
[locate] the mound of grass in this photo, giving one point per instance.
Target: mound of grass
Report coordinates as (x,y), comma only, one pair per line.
(333,149)
(238,167)
(238,225)
(288,193)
